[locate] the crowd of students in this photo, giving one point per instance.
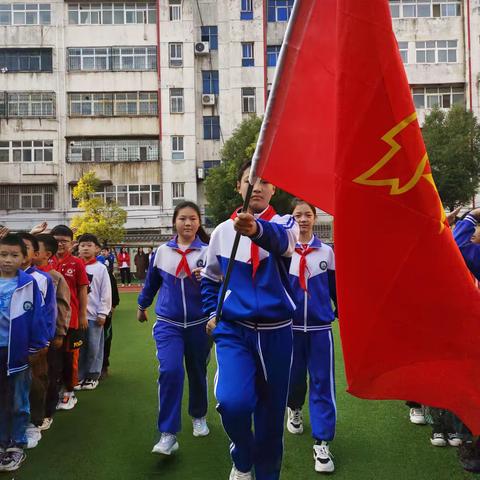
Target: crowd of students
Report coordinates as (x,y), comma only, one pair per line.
(55,331)
(274,332)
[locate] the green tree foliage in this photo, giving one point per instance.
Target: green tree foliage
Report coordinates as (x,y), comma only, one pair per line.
(453,142)
(220,185)
(105,220)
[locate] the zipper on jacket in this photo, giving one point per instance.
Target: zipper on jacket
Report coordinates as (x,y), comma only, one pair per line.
(305,310)
(184,301)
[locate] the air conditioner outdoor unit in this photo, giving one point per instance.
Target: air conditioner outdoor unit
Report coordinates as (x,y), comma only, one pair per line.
(202,48)
(208,99)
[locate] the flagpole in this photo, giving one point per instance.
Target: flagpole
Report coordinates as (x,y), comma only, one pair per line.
(231,260)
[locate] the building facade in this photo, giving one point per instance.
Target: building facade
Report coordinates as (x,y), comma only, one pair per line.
(147,93)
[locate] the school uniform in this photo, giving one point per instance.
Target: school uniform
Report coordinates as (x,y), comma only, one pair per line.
(464,229)
(254,337)
(312,276)
(179,331)
(99,304)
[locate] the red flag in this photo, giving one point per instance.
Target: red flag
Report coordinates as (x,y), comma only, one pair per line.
(410,313)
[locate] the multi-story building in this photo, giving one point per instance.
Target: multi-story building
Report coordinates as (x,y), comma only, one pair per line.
(147,93)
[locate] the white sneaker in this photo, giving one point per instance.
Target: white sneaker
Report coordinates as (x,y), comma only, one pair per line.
(417,416)
(438,439)
(166,445)
(68,401)
(89,384)
(33,436)
(454,439)
(238,475)
(323,458)
(200,427)
(12,459)
(47,423)
(295,421)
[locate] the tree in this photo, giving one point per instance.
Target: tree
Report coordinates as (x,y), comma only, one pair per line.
(453,145)
(220,185)
(105,220)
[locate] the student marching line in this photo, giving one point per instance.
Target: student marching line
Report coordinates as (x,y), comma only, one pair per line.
(312,276)
(254,337)
(179,331)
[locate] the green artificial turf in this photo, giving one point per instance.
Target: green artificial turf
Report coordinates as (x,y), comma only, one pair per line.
(110,433)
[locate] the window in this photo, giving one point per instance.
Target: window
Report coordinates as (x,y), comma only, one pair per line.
(425,8)
(210,34)
(178,193)
(176,100)
(112,58)
(248,100)
(25,14)
(279,10)
(112,150)
(175,54)
(129,195)
(134,58)
(177,148)
(443,96)
(210,82)
(26,151)
(118,13)
(175,10)
(25,60)
(248,59)
(209,164)
(246,10)
(112,104)
(436,51)
(403,48)
(26,197)
(27,104)
(211,128)
(273,52)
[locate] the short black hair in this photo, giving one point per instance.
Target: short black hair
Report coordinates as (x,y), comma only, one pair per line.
(298,201)
(88,237)
(244,166)
(12,240)
(49,242)
(31,238)
(63,231)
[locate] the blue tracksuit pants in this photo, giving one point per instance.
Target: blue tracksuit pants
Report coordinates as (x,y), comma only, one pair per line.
(252,379)
(175,343)
(314,351)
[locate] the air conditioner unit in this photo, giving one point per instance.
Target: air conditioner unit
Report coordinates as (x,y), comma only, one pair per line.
(202,48)
(200,173)
(208,99)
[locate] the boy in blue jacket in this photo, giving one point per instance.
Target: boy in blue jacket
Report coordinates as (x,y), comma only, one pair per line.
(21,335)
(254,338)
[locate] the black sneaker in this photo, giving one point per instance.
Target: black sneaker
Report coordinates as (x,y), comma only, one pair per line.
(438,439)
(469,456)
(12,459)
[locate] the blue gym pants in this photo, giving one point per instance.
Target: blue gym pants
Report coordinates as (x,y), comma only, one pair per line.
(175,343)
(252,380)
(314,351)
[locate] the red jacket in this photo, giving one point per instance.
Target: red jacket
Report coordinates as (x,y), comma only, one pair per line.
(123,257)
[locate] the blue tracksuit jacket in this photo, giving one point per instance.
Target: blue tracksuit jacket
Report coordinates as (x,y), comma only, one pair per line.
(179,301)
(27,332)
(464,229)
(314,308)
(264,301)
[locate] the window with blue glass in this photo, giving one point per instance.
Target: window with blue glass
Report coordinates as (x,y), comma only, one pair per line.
(248,60)
(279,10)
(210,34)
(210,81)
(211,128)
(273,52)
(25,60)
(246,10)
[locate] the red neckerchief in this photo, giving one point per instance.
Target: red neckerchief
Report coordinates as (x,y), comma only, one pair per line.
(90,262)
(267,215)
(45,268)
(183,263)
(61,261)
(303,251)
